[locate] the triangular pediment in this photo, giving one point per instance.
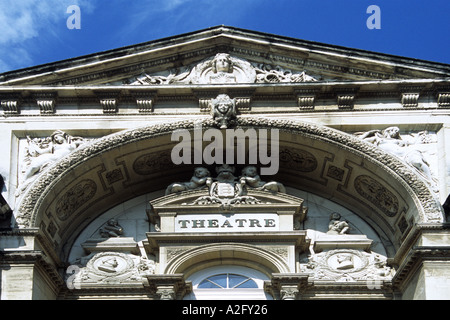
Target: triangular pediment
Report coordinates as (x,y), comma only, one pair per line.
(257,57)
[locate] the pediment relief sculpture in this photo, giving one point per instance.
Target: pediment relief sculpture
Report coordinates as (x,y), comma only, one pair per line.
(348,265)
(109,268)
(224,68)
(415,149)
(42,152)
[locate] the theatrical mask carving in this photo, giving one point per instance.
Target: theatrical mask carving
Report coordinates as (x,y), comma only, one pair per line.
(223,111)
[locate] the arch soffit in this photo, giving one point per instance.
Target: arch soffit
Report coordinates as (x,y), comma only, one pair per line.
(251,256)
(97,176)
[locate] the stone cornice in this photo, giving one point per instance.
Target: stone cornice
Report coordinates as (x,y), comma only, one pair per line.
(166,52)
(35,258)
(339,96)
(412,254)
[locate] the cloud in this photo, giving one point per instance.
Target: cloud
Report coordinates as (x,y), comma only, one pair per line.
(22,21)
(171,17)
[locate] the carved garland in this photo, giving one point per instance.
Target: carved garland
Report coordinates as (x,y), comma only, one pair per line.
(29,205)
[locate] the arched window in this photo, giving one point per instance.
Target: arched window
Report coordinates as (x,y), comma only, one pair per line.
(228,282)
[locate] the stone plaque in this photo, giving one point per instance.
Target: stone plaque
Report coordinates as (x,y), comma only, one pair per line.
(259,222)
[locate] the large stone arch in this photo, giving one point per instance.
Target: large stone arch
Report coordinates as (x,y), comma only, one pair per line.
(378,187)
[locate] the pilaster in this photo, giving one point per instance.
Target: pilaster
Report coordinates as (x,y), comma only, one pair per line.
(167,286)
(286,286)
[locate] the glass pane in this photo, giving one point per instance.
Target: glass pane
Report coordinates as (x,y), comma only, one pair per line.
(235,280)
(206,284)
(228,281)
(248,284)
(220,279)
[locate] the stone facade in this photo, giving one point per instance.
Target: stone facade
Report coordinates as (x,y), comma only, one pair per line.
(226,160)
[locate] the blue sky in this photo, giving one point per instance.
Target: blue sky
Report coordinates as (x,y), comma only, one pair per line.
(34,32)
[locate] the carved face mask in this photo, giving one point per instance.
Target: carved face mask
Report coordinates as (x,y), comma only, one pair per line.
(222,64)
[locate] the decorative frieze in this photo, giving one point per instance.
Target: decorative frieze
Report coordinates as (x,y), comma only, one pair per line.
(418,150)
(298,159)
(40,152)
(377,194)
(75,198)
(152,163)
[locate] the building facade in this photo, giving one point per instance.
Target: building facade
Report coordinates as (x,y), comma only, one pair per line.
(226,164)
